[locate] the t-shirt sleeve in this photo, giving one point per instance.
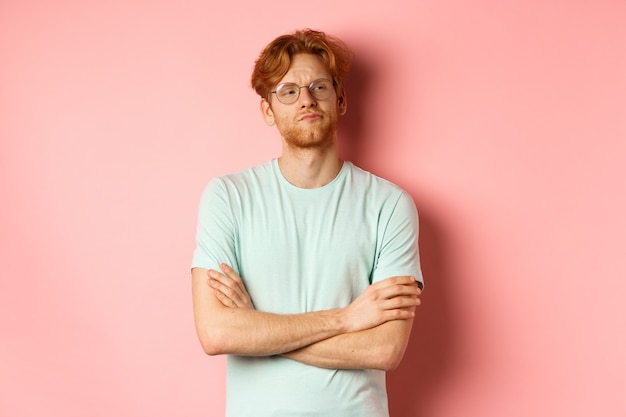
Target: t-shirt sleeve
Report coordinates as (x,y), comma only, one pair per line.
(215,234)
(398,253)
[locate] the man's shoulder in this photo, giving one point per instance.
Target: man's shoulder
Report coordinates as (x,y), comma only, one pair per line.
(372,181)
(245,177)
(260,170)
(239,183)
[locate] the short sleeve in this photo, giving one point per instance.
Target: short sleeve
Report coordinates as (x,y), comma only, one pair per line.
(398,252)
(215,234)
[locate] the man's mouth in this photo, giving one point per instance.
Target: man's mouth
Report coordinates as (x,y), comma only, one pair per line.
(310,116)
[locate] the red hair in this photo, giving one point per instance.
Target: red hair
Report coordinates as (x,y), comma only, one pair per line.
(275,60)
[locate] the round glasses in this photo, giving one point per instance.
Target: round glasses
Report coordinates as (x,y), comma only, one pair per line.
(288,93)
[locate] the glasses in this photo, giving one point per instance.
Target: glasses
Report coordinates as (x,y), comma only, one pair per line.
(288,93)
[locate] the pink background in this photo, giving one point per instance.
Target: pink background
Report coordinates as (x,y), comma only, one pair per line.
(505,120)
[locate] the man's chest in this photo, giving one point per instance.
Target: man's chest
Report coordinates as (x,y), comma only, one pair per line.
(306,258)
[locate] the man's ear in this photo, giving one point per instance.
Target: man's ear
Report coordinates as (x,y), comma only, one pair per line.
(342,103)
(266,111)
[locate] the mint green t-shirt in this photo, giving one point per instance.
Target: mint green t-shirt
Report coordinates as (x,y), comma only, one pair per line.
(300,250)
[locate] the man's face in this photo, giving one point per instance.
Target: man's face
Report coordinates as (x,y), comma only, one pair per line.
(307,123)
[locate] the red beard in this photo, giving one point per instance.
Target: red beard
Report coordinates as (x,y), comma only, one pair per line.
(318,134)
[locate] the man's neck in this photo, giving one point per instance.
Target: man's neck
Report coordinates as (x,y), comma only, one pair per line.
(309,168)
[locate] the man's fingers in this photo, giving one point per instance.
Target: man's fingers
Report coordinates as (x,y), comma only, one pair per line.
(227,295)
(400,303)
(223,299)
(230,272)
(399,314)
(230,287)
(222,283)
(224,279)
(395,282)
(397,291)
(224,289)
(389,282)
(217,276)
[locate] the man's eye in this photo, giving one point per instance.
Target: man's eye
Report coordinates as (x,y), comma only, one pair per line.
(288,91)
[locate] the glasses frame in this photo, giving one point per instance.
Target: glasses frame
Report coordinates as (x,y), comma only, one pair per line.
(299,87)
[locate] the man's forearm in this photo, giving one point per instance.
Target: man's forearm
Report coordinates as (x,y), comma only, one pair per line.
(254,333)
(241,331)
(381,347)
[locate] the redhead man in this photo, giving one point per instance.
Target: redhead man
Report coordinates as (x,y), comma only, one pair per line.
(306,271)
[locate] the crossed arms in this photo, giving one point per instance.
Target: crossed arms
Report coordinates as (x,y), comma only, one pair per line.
(372,332)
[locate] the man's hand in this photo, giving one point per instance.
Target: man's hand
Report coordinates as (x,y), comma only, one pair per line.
(391,299)
(229,288)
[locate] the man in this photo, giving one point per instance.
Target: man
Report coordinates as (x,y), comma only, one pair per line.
(306,271)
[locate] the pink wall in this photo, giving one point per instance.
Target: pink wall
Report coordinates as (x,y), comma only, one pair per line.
(505,120)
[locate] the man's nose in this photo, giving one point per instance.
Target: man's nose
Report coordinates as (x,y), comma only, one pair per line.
(306,99)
